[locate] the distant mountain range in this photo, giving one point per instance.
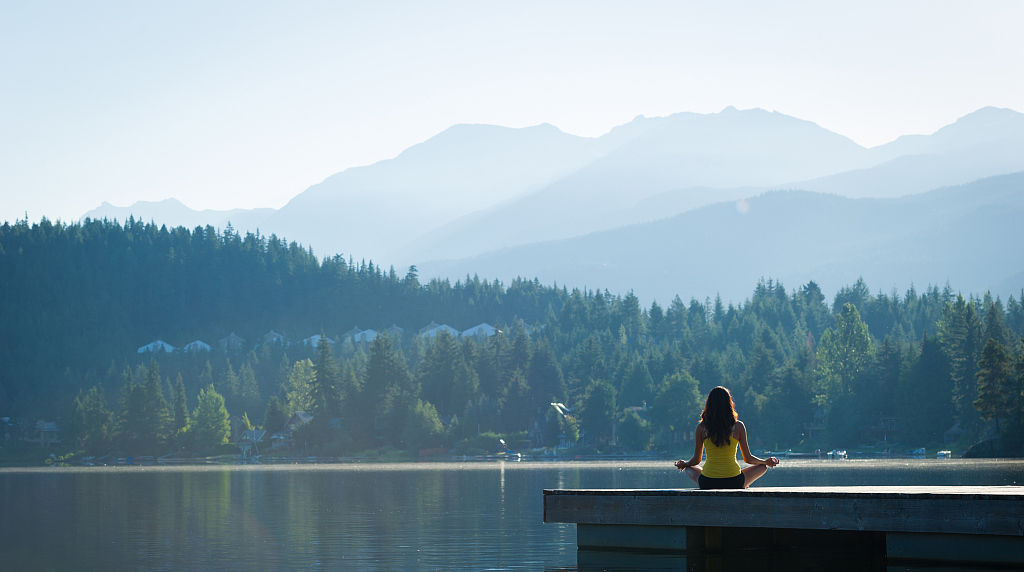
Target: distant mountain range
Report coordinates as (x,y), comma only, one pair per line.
(967,236)
(477,197)
(173,213)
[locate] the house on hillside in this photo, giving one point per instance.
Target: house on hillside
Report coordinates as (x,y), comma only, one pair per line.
(196,346)
(482,330)
(285,438)
(6,429)
(437,330)
(44,433)
(365,336)
(564,442)
(432,325)
(231,342)
(249,442)
(315,340)
(271,338)
(156,346)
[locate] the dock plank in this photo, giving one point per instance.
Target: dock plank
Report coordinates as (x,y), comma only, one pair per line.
(946,510)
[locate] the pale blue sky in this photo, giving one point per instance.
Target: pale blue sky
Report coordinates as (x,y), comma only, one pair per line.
(245,104)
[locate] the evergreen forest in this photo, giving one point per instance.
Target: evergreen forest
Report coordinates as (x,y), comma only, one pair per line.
(888,371)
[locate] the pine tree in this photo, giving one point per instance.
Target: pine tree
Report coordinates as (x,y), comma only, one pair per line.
(325,391)
(299,389)
(634,432)
(275,417)
(927,385)
(545,376)
(386,380)
(180,405)
(446,379)
(519,354)
(145,417)
(245,424)
(517,407)
(599,412)
(844,354)
(228,386)
(960,333)
(676,409)
(92,422)
(423,428)
(994,327)
(248,388)
(210,425)
(1016,393)
(995,383)
(637,384)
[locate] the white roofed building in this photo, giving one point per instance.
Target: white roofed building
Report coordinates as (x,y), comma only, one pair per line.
(315,340)
(428,327)
(481,330)
(197,346)
(156,346)
(273,337)
(231,341)
(365,336)
(436,330)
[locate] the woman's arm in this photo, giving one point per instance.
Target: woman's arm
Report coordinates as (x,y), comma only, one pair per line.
(740,432)
(698,449)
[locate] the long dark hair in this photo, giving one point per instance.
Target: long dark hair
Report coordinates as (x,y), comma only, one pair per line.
(719,416)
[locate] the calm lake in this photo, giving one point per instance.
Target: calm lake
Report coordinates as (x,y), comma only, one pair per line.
(479,516)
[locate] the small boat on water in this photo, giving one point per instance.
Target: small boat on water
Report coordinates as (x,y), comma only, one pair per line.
(944,455)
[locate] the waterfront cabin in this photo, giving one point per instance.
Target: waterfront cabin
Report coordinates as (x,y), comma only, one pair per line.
(249,440)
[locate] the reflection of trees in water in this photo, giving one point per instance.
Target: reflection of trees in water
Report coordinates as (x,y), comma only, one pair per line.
(356,517)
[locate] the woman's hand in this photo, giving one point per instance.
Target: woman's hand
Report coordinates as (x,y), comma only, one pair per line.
(681,465)
(771,462)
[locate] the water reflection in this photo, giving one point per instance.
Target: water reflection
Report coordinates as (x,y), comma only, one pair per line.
(399,516)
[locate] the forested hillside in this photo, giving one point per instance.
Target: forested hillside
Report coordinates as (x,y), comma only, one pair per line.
(882,369)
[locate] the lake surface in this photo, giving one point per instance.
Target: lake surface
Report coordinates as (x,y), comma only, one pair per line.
(478,516)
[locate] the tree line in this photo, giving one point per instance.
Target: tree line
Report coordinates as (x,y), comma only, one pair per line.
(882,369)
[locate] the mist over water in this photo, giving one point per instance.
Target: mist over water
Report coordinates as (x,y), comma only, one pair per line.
(357,516)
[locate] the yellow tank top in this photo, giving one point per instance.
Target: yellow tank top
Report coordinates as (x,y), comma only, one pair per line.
(721,462)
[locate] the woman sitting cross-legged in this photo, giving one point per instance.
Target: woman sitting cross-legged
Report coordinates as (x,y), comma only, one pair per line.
(719,432)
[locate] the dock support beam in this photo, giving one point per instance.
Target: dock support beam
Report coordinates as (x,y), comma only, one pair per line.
(866,526)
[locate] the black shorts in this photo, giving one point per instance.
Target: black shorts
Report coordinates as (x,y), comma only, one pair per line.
(736,482)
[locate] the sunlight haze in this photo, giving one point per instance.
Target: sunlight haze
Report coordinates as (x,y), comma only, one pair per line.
(241,105)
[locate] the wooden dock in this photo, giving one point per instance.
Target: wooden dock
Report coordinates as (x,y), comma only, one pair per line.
(981,525)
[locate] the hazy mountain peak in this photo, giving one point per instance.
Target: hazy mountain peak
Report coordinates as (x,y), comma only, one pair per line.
(173,212)
(992,127)
(470,139)
(168,202)
(987,122)
(991,113)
